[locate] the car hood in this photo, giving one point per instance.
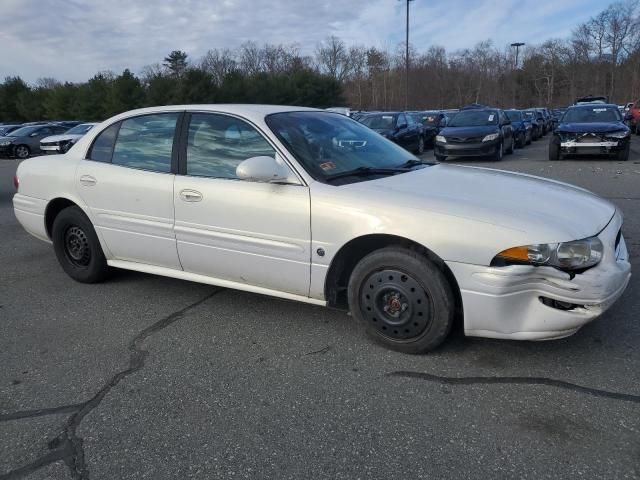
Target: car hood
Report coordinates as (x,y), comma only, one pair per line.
(546,211)
(464,132)
(590,127)
(62,137)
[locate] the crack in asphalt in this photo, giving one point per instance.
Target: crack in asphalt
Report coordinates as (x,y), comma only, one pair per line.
(68,446)
(549,382)
(40,412)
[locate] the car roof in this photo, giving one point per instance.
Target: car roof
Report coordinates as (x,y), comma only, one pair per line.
(250,111)
(593,105)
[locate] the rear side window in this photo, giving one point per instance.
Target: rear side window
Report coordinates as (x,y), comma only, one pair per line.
(102,148)
(146,142)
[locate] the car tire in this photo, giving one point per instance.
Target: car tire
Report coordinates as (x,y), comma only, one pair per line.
(420,150)
(441,158)
(512,147)
(77,246)
(403,300)
(497,157)
(528,139)
(21,151)
(554,149)
(623,155)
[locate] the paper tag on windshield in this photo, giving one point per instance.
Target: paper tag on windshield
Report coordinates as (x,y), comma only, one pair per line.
(491,117)
(599,109)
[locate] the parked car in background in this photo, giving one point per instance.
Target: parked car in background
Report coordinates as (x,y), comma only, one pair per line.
(591,99)
(399,127)
(25,141)
(346,111)
(633,117)
(476,132)
(537,125)
(432,122)
(236,191)
(5,129)
(522,129)
(591,129)
(556,115)
(546,118)
(63,142)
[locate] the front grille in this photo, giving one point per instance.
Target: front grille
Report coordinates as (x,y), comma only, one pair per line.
(49,144)
(465,140)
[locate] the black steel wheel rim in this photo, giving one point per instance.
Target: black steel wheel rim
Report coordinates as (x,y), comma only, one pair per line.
(395,304)
(76,246)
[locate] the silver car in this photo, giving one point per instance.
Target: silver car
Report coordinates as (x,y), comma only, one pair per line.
(312,206)
(62,143)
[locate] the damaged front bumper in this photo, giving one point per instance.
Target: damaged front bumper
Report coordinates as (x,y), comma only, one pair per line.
(525,302)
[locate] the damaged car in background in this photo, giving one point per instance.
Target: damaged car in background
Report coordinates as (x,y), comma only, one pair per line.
(311,206)
(62,143)
(591,129)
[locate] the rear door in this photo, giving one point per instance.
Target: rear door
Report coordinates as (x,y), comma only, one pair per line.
(127,183)
(247,232)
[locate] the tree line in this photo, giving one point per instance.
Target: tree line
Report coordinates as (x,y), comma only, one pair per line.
(600,56)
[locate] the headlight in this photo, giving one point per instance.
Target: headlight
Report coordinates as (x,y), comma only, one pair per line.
(5,143)
(575,255)
(490,137)
(441,139)
(620,134)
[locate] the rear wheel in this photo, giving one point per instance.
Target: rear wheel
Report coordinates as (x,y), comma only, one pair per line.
(77,247)
(420,150)
(512,147)
(528,137)
(403,299)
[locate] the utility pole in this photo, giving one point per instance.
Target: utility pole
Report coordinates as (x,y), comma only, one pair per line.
(406,87)
(515,68)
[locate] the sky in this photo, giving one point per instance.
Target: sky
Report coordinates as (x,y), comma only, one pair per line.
(71,40)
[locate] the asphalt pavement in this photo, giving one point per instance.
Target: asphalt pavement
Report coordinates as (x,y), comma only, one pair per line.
(151,377)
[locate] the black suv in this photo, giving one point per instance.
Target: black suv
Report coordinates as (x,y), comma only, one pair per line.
(591,129)
(476,132)
(399,127)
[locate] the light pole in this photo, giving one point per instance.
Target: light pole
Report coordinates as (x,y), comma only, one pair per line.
(515,73)
(406,87)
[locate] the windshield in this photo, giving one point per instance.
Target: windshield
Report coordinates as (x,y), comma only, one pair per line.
(474,118)
(80,129)
(381,122)
(514,115)
(592,115)
(25,131)
(327,144)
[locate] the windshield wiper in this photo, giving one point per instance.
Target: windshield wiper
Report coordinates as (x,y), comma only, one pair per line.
(366,171)
(412,162)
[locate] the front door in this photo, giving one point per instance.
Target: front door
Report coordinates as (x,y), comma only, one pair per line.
(248,232)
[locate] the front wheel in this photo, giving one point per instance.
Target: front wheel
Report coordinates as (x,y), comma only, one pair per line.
(403,299)
(77,247)
(511,147)
(499,153)
(554,149)
(22,152)
(623,155)
(440,158)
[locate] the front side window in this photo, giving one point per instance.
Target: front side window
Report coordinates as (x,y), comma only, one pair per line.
(146,142)
(217,144)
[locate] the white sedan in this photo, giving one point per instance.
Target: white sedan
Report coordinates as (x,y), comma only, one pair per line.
(310,205)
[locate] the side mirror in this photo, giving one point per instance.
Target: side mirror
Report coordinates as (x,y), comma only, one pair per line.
(34,134)
(401,126)
(264,169)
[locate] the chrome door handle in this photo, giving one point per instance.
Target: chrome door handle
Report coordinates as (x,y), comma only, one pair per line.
(190,195)
(88,180)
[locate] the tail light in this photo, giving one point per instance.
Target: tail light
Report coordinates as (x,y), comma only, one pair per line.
(16,182)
